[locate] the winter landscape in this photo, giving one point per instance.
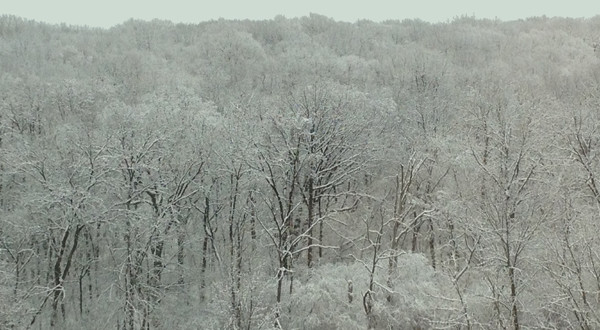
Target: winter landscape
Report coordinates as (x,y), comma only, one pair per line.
(300,173)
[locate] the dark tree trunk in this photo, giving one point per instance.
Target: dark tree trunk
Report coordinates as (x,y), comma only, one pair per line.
(60,272)
(415,235)
(311,206)
(432,243)
(181,236)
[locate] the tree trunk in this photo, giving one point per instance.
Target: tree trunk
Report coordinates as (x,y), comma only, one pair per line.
(432,243)
(130,281)
(513,298)
(181,235)
(61,273)
(415,234)
(311,206)
(511,277)
(320,229)
(206,218)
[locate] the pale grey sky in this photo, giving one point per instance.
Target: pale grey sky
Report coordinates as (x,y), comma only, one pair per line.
(106,13)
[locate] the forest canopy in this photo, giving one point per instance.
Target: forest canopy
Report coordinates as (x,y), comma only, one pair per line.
(300,173)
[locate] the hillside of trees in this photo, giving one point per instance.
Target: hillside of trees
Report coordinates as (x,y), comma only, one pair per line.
(300,174)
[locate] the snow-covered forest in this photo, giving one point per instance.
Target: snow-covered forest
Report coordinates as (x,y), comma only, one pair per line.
(300,174)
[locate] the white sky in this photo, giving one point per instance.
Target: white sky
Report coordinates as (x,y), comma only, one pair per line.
(106,13)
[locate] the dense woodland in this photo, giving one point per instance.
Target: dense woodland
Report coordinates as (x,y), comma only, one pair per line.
(300,174)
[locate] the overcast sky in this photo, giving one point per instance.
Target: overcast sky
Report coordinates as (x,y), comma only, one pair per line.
(106,13)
